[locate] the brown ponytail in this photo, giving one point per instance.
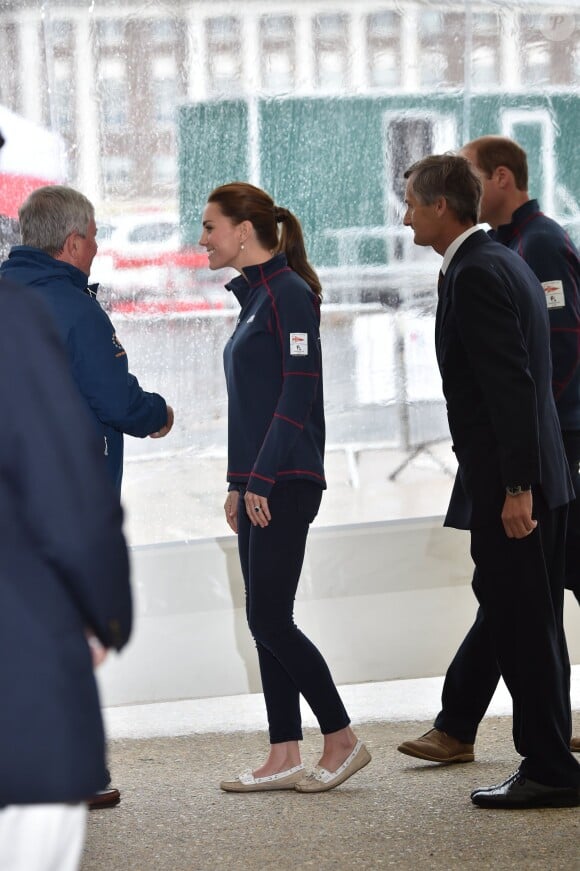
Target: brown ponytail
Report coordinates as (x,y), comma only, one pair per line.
(241,201)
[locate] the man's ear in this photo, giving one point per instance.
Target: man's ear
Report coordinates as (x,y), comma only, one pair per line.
(440,207)
(503,176)
(69,251)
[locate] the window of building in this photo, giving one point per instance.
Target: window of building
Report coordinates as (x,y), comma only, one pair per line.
(485,42)
(433,49)
(165,171)
(383,46)
(277,53)
(331,51)
(10,91)
(113,91)
(431,23)
(110,32)
(224,56)
(547,43)
(576,61)
(59,33)
(164,30)
(117,173)
(484,67)
(536,64)
(164,90)
(62,102)
(433,67)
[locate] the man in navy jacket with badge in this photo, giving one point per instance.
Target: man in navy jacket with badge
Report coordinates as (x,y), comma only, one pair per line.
(58,230)
(512,487)
(64,583)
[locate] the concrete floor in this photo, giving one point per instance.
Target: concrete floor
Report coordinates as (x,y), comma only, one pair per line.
(395,813)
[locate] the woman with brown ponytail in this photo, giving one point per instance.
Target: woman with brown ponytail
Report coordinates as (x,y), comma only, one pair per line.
(276,473)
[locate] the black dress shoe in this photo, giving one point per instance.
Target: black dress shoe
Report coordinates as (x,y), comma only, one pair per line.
(109,797)
(519,792)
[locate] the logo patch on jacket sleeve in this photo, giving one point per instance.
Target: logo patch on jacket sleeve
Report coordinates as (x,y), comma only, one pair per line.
(298,344)
(554,291)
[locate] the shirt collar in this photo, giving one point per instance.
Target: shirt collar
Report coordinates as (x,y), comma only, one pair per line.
(456,245)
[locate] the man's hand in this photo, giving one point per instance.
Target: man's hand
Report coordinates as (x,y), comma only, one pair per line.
(516,515)
(98,652)
(164,429)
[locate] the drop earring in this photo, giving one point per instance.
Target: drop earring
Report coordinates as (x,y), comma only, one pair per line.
(242,246)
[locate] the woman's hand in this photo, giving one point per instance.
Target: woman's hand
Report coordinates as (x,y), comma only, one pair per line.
(231,509)
(257,509)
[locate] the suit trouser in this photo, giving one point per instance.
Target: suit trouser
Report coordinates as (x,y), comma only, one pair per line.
(571,440)
(473,675)
(518,633)
(290,664)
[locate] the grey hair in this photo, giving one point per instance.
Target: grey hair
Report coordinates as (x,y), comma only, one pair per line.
(450,176)
(50,214)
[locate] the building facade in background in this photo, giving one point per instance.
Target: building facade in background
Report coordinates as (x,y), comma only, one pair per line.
(110,78)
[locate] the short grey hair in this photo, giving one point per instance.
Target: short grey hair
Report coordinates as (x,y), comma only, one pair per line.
(50,214)
(450,176)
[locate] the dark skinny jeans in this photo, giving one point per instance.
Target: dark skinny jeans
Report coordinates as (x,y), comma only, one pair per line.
(290,665)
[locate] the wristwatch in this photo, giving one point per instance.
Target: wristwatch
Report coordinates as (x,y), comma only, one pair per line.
(518,489)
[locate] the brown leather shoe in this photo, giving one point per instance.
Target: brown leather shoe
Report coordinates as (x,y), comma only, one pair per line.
(575,744)
(436,746)
(104,798)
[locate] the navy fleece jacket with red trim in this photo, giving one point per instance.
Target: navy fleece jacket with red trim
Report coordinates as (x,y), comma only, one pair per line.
(550,253)
(273,367)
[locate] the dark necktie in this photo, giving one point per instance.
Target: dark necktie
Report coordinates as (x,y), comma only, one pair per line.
(440,283)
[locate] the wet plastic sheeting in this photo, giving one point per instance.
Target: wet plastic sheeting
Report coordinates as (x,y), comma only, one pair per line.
(149,105)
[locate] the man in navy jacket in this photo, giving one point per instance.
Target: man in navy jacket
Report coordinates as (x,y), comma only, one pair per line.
(64,581)
(513,486)
(58,230)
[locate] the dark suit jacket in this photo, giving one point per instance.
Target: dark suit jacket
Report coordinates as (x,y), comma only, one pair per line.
(63,566)
(493,348)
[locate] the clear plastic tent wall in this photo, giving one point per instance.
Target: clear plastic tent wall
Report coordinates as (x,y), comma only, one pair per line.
(146,106)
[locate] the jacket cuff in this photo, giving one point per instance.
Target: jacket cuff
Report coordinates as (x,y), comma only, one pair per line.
(260,485)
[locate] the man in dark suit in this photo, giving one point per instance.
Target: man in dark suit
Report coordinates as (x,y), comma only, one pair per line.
(518,223)
(512,485)
(64,581)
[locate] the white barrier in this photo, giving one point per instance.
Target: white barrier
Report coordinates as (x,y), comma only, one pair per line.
(382,601)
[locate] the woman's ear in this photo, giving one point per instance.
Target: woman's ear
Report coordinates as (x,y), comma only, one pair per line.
(246,230)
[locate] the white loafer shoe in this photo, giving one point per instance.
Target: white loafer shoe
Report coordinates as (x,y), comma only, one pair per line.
(246,782)
(322,780)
